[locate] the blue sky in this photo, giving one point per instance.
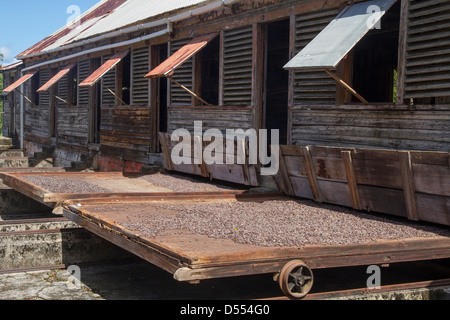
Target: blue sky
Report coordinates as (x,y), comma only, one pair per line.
(23,23)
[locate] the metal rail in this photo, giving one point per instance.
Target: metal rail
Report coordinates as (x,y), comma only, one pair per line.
(365,291)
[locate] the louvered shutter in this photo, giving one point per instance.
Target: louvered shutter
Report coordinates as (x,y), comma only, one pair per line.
(312,87)
(83,92)
(428,49)
(237,66)
(108,81)
(63,91)
(183,75)
(140,85)
(44,97)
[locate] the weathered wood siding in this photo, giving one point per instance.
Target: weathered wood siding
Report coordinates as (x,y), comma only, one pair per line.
(428,53)
(410,184)
(211,117)
(72,122)
(72,126)
(37,118)
(125,132)
(392,127)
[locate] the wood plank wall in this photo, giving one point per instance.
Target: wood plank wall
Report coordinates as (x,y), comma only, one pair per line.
(72,122)
(409,184)
(392,127)
(319,121)
(212,117)
(37,118)
(125,132)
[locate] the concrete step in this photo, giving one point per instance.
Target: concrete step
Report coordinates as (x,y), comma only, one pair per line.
(35,244)
(14,162)
(36,224)
(12,153)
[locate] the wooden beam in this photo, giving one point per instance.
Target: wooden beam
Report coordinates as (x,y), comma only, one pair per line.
(189,91)
(346,86)
(286,181)
(165,150)
(351,179)
(403,38)
(313,182)
(408,185)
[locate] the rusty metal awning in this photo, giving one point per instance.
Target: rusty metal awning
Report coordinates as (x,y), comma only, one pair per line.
(167,68)
(19,82)
(57,77)
(100,72)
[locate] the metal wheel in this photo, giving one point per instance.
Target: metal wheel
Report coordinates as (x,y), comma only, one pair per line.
(296,279)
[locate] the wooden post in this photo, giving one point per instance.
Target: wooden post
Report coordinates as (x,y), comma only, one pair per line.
(241,147)
(198,149)
(165,150)
(313,182)
(351,179)
(287,185)
(403,38)
(408,185)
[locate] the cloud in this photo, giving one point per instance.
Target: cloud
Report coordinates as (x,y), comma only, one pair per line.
(8,56)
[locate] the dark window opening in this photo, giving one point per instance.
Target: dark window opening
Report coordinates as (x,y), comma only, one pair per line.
(126,80)
(72,85)
(95,101)
(35,85)
(162,90)
(375,60)
(209,68)
(276,78)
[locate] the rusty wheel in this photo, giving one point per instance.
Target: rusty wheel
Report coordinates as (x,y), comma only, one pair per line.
(296,279)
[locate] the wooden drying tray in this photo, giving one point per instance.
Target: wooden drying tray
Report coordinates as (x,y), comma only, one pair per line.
(121,185)
(192,257)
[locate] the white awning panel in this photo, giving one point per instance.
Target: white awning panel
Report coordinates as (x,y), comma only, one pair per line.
(341,35)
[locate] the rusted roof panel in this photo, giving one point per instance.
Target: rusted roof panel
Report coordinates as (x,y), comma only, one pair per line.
(111,15)
(181,56)
(100,72)
(100,10)
(56,78)
(11,66)
(22,80)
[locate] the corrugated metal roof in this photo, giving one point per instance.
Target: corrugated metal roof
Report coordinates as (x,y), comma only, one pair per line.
(11,66)
(111,15)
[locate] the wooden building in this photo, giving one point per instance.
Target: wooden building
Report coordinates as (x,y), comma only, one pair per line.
(99,93)
(11,105)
